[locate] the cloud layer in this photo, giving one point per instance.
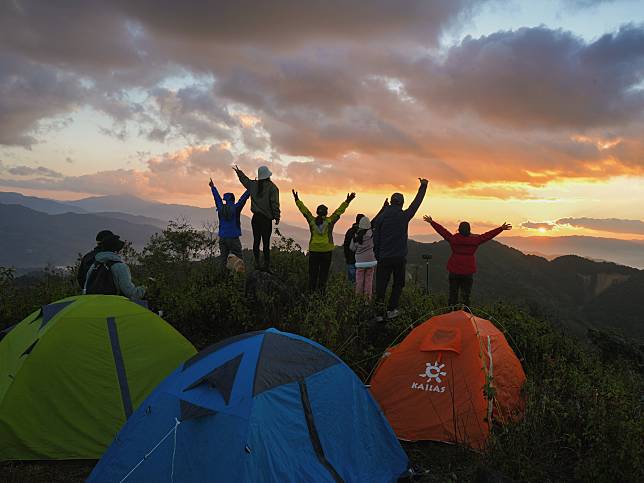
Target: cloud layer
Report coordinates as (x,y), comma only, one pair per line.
(332,94)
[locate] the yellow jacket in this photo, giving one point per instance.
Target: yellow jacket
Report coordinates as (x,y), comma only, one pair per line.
(321,235)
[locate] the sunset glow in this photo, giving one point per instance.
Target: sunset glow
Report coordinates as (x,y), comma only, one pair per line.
(335,99)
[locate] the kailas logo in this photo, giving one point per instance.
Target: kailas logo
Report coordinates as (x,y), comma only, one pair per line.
(433,373)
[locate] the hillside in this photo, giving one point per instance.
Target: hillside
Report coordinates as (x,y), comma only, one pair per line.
(34,239)
(565,286)
(582,418)
(568,287)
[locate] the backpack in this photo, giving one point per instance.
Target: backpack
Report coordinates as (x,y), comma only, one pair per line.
(100,280)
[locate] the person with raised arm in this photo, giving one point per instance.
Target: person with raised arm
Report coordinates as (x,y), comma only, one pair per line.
(321,244)
(229,214)
(390,243)
(265,206)
(462,262)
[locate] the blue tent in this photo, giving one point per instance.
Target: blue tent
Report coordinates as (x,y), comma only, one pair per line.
(262,406)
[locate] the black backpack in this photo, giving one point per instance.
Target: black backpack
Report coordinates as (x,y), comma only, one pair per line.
(101,281)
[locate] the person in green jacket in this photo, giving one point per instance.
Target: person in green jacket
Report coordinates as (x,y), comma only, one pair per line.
(265,206)
(321,244)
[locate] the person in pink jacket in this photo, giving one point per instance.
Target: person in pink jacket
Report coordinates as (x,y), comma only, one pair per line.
(462,263)
(362,245)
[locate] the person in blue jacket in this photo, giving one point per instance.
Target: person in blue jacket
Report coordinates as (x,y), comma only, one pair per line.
(229,214)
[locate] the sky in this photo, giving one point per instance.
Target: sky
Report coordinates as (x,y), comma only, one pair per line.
(519,111)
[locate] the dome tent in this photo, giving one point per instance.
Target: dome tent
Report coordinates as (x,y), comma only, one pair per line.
(264,406)
(448,380)
(72,372)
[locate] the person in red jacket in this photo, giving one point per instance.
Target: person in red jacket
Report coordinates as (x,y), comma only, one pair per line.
(462,263)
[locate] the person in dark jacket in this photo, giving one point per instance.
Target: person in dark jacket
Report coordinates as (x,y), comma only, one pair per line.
(265,206)
(462,263)
(229,214)
(390,243)
(350,255)
(88,259)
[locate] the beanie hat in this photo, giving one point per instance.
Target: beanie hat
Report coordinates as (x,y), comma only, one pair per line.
(365,223)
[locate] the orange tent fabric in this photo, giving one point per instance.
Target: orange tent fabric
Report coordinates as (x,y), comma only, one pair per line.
(447,379)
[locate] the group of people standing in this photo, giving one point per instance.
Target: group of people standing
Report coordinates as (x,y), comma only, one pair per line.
(374,248)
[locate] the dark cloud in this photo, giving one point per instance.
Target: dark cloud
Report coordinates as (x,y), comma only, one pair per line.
(538,77)
(613,225)
(31,171)
(536,225)
(353,90)
(30,92)
(287,23)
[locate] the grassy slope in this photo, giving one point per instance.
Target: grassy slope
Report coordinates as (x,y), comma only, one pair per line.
(583,410)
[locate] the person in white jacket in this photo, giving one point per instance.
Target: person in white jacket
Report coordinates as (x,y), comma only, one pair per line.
(362,245)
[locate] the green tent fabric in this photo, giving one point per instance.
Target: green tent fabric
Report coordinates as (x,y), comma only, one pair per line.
(72,372)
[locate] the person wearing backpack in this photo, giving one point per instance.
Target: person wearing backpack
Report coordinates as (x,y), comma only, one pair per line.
(462,262)
(229,214)
(265,206)
(88,258)
(109,274)
(349,254)
(321,244)
(362,246)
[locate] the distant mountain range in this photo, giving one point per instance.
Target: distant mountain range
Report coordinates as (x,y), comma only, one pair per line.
(143,212)
(35,239)
(584,293)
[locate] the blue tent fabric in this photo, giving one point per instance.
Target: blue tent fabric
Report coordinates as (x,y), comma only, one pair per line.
(266,407)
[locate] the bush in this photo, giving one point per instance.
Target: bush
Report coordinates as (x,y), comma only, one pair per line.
(583,418)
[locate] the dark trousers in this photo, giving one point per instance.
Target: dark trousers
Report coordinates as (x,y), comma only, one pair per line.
(228,246)
(385,269)
(319,266)
(460,283)
(262,228)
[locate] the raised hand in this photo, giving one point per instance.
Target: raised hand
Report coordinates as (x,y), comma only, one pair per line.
(427,218)
(211,184)
(295,195)
(423,181)
(350,197)
(386,202)
(506,226)
(236,168)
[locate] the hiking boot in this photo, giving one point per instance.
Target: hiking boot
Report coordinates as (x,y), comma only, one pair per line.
(392,314)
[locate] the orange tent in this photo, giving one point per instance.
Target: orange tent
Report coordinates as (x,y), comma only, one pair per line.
(448,379)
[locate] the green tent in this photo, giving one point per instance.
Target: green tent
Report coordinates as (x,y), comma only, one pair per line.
(72,373)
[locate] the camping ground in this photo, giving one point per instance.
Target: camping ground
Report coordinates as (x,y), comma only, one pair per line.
(583,419)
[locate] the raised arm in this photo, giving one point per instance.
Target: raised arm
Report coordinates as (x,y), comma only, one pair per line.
(215,194)
(440,229)
(342,208)
(242,200)
(243,179)
(492,233)
(302,207)
(413,207)
(375,218)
